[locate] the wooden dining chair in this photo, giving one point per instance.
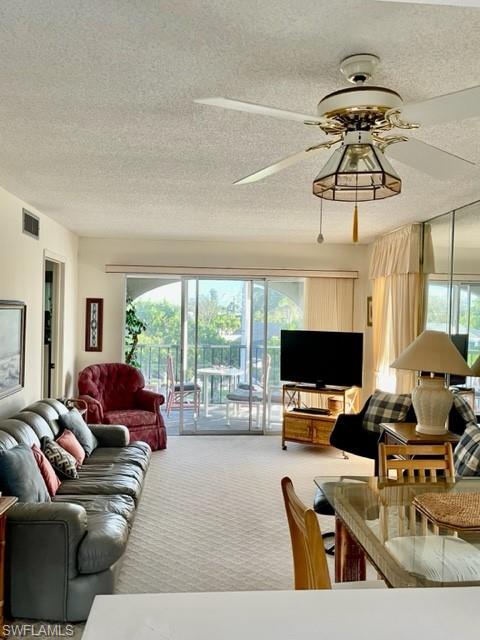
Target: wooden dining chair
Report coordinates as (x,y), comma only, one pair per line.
(416,461)
(309,559)
(410,463)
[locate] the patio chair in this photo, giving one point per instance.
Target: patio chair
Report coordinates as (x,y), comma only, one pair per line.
(177,394)
(250,394)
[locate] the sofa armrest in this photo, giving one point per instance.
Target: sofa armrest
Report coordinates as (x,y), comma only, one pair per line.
(41,557)
(46,534)
(110,435)
(94,409)
(149,400)
(350,435)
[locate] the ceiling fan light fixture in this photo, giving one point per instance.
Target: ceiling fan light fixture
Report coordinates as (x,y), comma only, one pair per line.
(358,171)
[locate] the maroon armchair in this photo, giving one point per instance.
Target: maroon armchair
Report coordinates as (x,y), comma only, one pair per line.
(114,394)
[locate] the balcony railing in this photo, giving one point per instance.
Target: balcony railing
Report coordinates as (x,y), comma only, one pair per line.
(153,364)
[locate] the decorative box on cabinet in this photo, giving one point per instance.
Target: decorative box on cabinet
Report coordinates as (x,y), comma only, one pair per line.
(309,426)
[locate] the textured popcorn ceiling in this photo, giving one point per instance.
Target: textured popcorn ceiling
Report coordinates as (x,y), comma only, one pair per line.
(99,130)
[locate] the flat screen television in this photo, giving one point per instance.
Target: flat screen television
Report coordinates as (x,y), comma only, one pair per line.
(322,358)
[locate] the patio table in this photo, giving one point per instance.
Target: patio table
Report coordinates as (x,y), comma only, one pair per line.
(223,372)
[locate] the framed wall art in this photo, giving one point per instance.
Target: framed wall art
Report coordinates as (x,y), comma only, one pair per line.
(94,324)
(12,346)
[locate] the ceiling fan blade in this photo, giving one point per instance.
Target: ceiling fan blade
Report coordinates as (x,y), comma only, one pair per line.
(431,160)
(260,109)
(452,106)
(278,166)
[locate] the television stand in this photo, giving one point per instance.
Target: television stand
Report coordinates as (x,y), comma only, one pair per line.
(306,417)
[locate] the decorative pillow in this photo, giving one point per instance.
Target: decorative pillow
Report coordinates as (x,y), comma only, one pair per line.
(386,407)
(467,452)
(62,461)
(69,442)
(48,473)
(76,424)
(464,409)
(20,475)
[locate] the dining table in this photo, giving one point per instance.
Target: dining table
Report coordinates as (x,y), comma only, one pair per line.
(396,526)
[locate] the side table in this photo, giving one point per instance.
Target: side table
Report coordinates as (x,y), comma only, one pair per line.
(404,433)
(5,504)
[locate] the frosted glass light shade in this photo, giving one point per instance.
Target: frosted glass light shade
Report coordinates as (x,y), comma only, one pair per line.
(357,171)
(432,351)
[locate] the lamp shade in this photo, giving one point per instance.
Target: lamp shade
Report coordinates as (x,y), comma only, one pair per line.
(476,368)
(432,351)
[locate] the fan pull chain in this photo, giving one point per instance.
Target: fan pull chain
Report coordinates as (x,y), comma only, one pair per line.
(320,237)
(355,213)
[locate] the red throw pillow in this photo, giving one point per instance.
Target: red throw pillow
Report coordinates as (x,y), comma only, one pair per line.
(69,442)
(48,473)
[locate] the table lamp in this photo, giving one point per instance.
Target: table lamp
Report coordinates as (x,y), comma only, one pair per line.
(476,368)
(432,351)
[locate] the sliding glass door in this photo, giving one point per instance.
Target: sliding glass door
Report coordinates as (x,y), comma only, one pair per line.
(223,355)
(212,347)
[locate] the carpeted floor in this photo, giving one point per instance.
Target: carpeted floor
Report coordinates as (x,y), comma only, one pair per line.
(211,517)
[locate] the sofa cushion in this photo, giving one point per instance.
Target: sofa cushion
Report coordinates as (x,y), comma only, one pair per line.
(6,440)
(132,454)
(37,423)
(105,470)
(76,424)
(20,475)
(69,442)
(48,473)
(62,461)
(49,410)
(121,505)
(97,485)
(104,543)
(386,407)
(129,417)
(21,431)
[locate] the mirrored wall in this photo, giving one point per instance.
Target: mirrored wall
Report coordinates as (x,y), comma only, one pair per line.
(452,268)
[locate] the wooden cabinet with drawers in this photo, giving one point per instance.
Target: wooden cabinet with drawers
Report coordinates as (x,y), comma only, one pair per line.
(302,422)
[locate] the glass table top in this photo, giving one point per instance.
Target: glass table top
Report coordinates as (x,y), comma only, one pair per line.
(407,546)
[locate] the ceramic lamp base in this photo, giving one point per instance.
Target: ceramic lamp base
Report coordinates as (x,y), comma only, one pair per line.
(432,402)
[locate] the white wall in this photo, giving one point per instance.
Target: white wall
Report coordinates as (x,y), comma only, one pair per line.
(95,253)
(21,278)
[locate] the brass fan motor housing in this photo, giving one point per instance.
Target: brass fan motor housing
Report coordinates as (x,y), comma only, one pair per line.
(359,107)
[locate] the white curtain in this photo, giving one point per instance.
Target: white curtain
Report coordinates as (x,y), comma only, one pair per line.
(329,304)
(398,289)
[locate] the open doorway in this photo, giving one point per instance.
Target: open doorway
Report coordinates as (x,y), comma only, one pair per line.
(52,350)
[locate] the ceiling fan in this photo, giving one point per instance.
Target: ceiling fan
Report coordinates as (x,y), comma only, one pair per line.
(374,113)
